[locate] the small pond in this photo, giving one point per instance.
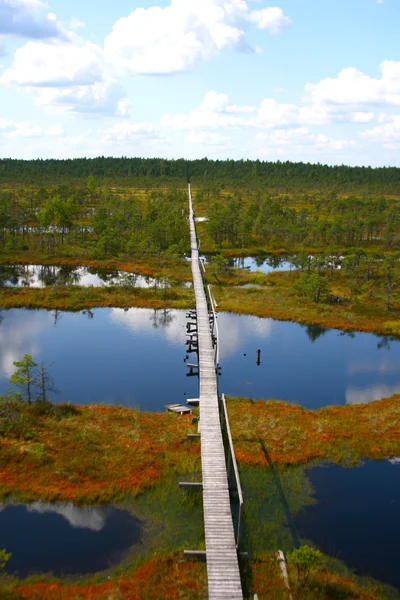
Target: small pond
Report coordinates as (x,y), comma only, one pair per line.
(136,357)
(66,539)
(265,263)
(304,363)
(69,540)
(132,357)
(356,517)
(41,276)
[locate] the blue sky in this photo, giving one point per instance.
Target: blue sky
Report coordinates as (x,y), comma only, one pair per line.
(302,80)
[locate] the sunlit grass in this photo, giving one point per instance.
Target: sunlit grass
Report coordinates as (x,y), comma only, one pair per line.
(287,434)
(101,454)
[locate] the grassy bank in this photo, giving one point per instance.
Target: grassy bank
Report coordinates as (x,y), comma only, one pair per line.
(105,454)
(168,576)
(163,576)
(280,433)
(150,266)
(280,300)
(92,454)
(75,298)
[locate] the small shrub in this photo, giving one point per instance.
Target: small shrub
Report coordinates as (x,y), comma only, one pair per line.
(305,559)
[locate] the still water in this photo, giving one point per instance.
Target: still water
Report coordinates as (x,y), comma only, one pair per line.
(65,539)
(264,264)
(136,357)
(41,276)
(132,357)
(356,517)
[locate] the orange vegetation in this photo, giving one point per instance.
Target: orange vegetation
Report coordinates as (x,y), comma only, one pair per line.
(268,584)
(78,298)
(101,454)
(171,577)
(150,266)
(161,577)
(288,434)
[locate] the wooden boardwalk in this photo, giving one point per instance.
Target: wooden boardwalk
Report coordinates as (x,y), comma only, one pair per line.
(221,554)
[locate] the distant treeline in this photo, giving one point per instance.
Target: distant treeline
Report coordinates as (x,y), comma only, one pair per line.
(284,176)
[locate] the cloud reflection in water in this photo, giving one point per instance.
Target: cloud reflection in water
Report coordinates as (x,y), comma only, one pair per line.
(92,518)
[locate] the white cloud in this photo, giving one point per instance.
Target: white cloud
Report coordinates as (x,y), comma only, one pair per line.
(175,38)
(390,132)
(215,112)
(102,98)
(363,117)
(67,77)
(24,129)
(204,137)
(18,19)
(272,114)
(300,138)
(76,24)
(273,19)
(71,141)
(126,132)
(73,75)
(38,64)
(353,88)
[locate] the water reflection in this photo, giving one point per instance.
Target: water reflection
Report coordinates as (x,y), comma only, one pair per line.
(315,331)
(132,357)
(356,517)
(263,263)
(136,357)
(309,365)
(266,263)
(41,276)
(371,393)
(86,517)
(66,539)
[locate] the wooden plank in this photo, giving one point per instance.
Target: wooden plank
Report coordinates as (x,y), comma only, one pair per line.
(178,408)
(222,560)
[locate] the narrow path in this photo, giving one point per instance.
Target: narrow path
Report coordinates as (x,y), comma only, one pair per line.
(222,560)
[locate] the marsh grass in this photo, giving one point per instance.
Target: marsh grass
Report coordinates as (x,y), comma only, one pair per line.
(280,300)
(75,298)
(97,454)
(171,521)
(151,266)
(292,435)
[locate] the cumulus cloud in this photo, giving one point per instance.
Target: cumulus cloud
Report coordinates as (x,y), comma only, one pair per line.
(36,64)
(390,132)
(204,137)
(353,88)
(67,77)
(215,112)
(126,132)
(102,98)
(272,19)
(301,138)
(18,18)
(175,38)
(24,129)
(66,73)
